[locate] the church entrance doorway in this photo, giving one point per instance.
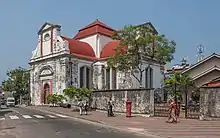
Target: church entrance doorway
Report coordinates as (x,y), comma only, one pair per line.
(46,92)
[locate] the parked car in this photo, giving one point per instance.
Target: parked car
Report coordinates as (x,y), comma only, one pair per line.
(10,101)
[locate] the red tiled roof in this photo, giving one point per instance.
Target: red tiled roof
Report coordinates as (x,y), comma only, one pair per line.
(213,84)
(109,49)
(96,27)
(80,48)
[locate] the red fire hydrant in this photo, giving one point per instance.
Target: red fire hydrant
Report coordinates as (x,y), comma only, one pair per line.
(128,108)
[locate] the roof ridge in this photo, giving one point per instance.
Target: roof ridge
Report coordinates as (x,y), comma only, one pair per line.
(201,61)
(96,22)
(206,71)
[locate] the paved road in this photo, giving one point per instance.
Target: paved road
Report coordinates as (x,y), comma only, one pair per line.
(25,123)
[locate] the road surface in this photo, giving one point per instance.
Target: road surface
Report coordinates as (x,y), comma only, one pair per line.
(25,123)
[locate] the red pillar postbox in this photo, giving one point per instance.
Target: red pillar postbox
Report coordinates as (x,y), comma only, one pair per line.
(128,108)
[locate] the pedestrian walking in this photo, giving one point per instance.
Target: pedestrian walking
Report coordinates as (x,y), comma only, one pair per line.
(86,106)
(80,104)
(110,108)
(172,112)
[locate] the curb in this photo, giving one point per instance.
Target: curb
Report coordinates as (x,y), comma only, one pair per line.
(142,115)
(99,123)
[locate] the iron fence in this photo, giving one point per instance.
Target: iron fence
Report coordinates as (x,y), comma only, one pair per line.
(161,109)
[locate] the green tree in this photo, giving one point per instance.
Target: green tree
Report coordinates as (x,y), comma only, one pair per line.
(186,82)
(61,98)
(55,99)
(183,82)
(172,82)
(70,92)
(139,44)
(18,81)
(77,93)
(83,93)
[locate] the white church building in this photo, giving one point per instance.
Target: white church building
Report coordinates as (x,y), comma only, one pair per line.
(60,61)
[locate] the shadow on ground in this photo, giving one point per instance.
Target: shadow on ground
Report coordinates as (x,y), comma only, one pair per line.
(4,112)
(3,107)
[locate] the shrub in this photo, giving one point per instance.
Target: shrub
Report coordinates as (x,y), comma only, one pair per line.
(77,93)
(55,99)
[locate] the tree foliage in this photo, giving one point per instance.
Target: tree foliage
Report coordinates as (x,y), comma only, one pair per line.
(182,82)
(55,98)
(139,44)
(77,93)
(18,81)
(83,93)
(70,92)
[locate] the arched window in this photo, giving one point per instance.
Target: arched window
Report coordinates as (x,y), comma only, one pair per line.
(107,78)
(114,78)
(151,78)
(85,77)
(111,78)
(88,77)
(81,77)
(148,77)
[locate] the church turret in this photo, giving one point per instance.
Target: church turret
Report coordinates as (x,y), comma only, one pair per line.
(96,34)
(47,38)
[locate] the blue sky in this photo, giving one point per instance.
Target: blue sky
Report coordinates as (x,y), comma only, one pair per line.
(188,22)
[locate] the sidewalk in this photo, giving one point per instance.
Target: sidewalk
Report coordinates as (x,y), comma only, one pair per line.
(186,128)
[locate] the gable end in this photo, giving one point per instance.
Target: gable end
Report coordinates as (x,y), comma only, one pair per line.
(51,26)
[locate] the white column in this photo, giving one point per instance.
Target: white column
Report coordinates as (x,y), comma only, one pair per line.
(84,76)
(110,78)
(98,67)
(31,87)
(99,78)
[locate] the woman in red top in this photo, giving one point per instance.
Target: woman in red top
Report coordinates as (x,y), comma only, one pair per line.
(172,112)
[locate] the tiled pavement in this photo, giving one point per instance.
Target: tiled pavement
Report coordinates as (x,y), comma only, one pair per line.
(186,128)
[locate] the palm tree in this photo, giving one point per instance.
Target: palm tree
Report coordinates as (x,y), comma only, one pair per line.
(183,81)
(186,82)
(175,81)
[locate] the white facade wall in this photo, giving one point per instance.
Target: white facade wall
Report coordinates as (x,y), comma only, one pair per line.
(103,40)
(52,72)
(93,42)
(46,44)
(97,42)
